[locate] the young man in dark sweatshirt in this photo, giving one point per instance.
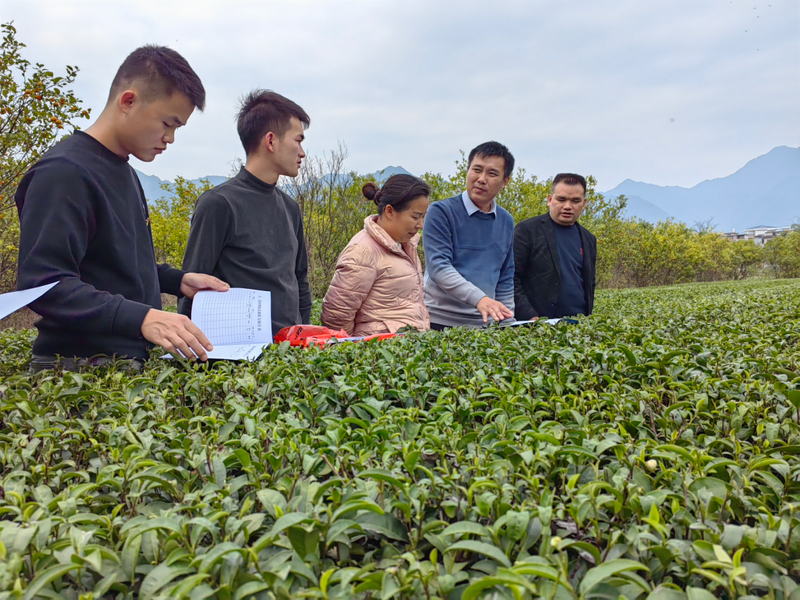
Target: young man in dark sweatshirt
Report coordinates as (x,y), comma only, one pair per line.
(84,223)
(248,232)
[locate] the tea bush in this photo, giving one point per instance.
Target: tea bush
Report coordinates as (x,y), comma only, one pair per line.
(651,451)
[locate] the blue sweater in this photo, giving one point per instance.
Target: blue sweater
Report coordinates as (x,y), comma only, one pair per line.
(467,257)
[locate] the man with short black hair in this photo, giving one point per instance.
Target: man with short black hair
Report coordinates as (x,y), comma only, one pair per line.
(246,230)
(468,240)
(84,223)
(555,256)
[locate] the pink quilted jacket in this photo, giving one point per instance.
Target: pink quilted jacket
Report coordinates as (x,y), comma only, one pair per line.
(378,286)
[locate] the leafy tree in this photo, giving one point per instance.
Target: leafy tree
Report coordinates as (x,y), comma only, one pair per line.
(446,187)
(333,211)
(747,257)
(9,248)
(783,253)
(35,110)
(170,218)
(631,252)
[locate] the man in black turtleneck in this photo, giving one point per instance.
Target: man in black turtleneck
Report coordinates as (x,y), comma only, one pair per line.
(248,232)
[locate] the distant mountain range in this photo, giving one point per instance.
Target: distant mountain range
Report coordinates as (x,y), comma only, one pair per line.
(152,184)
(388,172)
(764,191)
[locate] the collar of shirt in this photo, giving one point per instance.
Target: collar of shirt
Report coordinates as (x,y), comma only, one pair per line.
(472,209)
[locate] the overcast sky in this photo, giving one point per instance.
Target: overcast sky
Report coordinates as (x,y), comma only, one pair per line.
(670,92)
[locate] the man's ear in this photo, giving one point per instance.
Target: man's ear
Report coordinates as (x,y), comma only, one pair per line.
(126,100)
(505,181)
(549,198)
(269,141)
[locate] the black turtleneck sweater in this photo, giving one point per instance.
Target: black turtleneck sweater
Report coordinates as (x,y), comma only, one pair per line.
(572,297)
(250,234)
(84,223)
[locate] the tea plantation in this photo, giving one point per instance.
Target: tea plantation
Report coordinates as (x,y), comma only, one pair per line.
(652,451)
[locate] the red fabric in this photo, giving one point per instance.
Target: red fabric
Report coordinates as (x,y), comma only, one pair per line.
(305,335)
(380,336)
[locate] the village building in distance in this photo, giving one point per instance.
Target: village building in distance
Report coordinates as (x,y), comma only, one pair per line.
(760,234)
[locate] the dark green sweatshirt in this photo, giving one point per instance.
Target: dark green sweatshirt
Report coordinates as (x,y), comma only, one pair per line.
(250,234)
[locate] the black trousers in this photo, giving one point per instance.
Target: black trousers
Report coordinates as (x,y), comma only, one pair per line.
(45,363)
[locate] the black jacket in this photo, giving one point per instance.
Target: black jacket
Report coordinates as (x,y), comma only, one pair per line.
(537,273)
(84,222)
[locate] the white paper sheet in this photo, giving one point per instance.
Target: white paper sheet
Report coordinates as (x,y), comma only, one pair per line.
(521,323)
(237,316)
(13,301)
(237,352)
(356,338)
(238,323)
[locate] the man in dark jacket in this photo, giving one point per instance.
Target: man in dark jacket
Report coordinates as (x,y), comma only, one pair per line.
(555,257)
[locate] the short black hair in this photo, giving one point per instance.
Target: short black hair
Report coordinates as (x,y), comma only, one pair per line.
(569,179)
(162,72)
(262,111)
(494,149)
(398,192)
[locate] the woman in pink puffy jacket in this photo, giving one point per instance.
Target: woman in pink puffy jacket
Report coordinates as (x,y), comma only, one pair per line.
(378,284)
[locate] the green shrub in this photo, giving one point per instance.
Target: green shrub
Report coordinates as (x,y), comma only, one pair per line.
(651,451)
(171,217)
(635,253)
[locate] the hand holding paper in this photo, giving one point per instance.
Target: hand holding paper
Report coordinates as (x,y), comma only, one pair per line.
(192,283)
(176,334)
(238,323)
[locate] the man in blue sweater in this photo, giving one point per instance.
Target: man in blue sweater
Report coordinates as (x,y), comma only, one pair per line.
(469,247)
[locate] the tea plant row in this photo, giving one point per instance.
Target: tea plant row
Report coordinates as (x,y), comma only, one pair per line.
(650,451)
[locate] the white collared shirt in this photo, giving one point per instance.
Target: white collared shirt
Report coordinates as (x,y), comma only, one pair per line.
(472,208)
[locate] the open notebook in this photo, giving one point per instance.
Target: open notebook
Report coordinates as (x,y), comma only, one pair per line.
(238,323)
